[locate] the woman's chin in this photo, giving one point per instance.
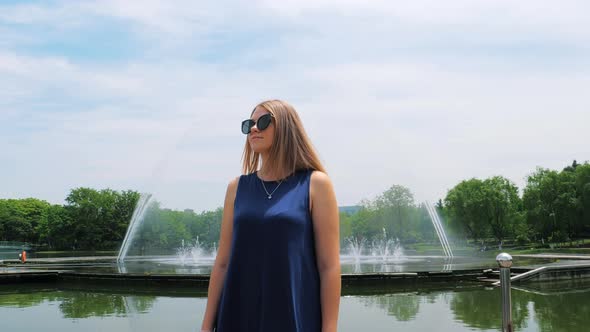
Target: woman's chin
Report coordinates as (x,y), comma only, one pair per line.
(259,149)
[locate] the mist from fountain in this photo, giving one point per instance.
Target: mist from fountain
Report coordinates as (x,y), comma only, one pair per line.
(138,215)
(440,231)
(382,253)
(387,249)
(355,247)
(382,249)
(195,254)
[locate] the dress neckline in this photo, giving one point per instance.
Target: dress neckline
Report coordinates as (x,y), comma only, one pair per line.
(275,181)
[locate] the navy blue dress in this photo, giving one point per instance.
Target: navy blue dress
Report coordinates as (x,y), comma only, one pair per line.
(272,282)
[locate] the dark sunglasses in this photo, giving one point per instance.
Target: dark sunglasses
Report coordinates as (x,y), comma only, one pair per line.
(262,123)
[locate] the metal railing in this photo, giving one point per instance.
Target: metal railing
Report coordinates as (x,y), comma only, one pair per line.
(505,262)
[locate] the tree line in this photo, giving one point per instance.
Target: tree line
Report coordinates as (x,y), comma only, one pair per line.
(393,213)
(553,207)
(98,220)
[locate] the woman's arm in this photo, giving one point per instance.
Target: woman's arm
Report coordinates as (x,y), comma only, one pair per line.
(326,225)
(221,261)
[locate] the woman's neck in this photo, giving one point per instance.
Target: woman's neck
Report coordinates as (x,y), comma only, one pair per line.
(269,175)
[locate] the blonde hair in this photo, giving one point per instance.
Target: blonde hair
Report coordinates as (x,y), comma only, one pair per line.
(291,149)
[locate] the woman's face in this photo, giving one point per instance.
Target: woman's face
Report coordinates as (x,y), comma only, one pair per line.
(261,140)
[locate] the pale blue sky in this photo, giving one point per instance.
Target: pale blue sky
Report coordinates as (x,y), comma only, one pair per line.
(148,95)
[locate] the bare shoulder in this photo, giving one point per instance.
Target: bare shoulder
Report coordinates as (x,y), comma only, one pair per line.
(320,187)
(320,180)
(323,204)
(233,183)
(232,188)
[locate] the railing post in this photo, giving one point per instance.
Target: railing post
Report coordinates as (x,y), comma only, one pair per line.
(505,262)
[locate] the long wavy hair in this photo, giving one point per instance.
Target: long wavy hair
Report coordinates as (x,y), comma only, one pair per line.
(291,149)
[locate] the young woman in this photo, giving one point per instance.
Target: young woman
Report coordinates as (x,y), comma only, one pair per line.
(277,266)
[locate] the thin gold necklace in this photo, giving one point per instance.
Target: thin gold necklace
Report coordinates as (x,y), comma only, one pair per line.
(269,195)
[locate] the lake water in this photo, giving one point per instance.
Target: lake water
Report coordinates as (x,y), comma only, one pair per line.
(538,307)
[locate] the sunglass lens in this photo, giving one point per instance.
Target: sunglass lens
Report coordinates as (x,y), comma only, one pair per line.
(263,122)
(246,126)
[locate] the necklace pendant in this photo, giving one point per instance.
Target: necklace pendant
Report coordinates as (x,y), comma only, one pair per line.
(269,194)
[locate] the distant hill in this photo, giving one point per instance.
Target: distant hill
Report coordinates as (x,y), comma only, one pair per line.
(351,209)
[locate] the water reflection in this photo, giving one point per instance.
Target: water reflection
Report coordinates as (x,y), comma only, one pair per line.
(24,300)
(540,307)
(537,307)
(404,307)
(78,303)
(481,308)
(558,310)
(84,305)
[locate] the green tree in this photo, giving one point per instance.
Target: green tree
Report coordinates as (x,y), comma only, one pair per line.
(345,227)
(20,219)
(465,204)
(582,183)
(551,204)
(99,218)
(481,208)
(56,230)
(85,207)
(364,224)
(394,208)
(212,225)
(121,212)
(501,206)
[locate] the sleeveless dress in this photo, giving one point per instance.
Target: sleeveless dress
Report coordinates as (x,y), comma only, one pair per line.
(272,282)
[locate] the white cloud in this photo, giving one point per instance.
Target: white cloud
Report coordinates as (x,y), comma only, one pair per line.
(380,100)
